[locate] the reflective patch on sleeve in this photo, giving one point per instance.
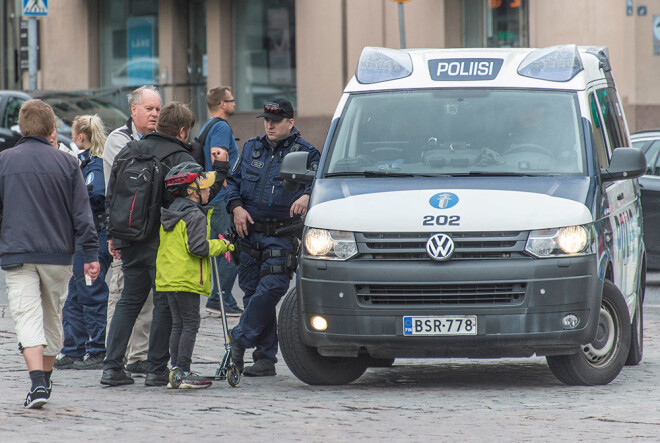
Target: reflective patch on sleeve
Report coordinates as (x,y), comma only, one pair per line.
(89,179)
(237,164)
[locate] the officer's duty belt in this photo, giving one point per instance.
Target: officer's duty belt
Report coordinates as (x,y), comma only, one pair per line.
(271,227)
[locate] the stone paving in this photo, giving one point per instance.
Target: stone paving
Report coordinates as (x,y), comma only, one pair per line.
(418,400)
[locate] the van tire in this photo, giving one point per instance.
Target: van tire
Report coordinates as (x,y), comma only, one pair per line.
(304,361)
(373,362)
(637,330)
(600,361)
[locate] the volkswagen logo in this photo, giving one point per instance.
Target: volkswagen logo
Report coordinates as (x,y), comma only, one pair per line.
(440,247)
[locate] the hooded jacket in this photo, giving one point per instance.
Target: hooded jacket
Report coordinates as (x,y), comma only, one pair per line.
(183,262)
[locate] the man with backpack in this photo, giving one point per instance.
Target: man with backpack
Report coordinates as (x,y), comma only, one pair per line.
(135,196)
(145,103)
(215,135)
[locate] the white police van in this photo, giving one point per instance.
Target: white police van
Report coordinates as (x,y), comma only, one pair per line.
(471,203)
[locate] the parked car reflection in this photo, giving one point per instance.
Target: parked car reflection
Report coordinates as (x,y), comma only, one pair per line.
(66,105)
(649,143)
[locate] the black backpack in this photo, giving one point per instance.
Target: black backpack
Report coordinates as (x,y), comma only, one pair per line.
(138,193)
(198,142)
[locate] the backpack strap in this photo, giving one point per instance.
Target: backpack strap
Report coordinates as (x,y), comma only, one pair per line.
(202,137)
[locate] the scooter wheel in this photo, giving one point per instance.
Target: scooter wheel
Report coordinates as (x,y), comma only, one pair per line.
(233,377)
(176,376)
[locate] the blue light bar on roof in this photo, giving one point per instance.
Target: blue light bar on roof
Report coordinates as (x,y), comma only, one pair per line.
(556,63)
(382,64)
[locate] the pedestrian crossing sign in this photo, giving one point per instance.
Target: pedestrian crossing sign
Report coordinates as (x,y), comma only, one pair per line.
(33,8)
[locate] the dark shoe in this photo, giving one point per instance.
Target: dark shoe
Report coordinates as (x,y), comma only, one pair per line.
(157,378)
(116,377)
(36,399)
(65,362)
(138,369)
(90,362)
(237,354)
(49,388)
(213,306)
(261,368)
(231,311)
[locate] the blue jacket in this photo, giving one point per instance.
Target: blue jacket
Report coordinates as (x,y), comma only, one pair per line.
(92,171)
(44,204)
(255,182)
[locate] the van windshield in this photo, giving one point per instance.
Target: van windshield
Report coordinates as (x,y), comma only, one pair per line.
(458,132)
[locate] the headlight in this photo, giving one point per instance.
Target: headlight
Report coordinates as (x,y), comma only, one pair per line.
(571,240)
(329,245)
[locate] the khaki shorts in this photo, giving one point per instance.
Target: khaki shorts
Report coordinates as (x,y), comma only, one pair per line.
(36,296)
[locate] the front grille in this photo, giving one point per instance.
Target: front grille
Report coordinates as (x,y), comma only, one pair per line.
(441,294)
(467,245)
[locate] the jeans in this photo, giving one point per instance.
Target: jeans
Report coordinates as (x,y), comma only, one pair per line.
(220,222)
(185,324)
(139,266)
(84,315)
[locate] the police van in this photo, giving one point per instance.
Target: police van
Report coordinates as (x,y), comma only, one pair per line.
(476,203)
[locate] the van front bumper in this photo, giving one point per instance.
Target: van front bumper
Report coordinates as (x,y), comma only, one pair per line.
(364,303)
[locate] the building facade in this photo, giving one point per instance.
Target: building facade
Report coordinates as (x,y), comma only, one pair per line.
(307,50)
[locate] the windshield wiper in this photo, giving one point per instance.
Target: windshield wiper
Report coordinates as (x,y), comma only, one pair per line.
(492,174)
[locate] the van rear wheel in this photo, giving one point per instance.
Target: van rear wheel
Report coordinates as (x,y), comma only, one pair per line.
(304,361)
(599,362)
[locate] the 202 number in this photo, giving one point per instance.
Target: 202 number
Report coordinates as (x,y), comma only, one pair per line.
(442,220)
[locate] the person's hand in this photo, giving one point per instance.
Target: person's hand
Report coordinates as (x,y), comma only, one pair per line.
(116,253)
(241,219)
(219,154)
(92,269)
(299,207)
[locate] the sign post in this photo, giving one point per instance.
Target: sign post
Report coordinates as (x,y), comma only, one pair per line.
(402,30)
(33,9)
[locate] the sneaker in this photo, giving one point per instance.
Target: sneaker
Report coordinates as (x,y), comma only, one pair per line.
(237,354)
(194,384)
(116,377)
(65,362)
(213,306)
(157,378)
(264,367)
(49,388)
(231,311)
(36,399)
(90,362)
(137,369)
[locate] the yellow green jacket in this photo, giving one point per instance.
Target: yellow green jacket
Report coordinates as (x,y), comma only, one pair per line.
(183,262)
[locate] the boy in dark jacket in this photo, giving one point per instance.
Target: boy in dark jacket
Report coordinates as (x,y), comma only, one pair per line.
(183,266)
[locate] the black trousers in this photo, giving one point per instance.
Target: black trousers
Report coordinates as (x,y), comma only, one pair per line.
(185,324)
(139,266)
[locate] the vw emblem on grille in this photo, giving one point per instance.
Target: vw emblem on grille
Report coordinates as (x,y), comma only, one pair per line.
(440,247)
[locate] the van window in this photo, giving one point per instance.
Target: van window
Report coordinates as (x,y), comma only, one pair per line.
(452,131)
(602,150)
(612,117)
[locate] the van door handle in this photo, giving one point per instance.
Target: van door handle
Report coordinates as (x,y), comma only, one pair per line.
(620,196)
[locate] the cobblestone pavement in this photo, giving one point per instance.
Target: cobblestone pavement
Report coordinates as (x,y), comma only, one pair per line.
(461,400)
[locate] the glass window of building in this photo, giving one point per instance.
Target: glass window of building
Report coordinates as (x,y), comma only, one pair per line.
(495,23)
(264,52)
(129,42)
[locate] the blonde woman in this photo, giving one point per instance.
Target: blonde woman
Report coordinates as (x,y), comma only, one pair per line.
(84,314)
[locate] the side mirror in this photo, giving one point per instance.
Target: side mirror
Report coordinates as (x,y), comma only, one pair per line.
(296,170)
(626,163)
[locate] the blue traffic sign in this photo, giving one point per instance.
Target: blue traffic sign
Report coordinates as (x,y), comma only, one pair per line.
(33,8)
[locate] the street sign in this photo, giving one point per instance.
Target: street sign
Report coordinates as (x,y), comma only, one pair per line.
(35,8)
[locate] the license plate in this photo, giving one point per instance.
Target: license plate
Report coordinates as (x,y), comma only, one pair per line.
(453,325)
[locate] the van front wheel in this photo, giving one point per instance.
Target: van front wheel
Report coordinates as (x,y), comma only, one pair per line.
(304,361)
(599,362)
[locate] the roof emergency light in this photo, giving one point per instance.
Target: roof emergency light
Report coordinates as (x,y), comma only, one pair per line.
(382,64)
(556,63)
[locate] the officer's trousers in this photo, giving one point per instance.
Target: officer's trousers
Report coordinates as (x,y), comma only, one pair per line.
(84,313)
(258,324)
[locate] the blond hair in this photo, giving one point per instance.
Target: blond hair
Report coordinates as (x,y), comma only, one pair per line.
(92,127)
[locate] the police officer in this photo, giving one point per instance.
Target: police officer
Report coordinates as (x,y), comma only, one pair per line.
(262,210)
(84,313)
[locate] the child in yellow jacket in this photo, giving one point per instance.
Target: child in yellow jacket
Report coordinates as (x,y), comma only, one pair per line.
(183,264)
